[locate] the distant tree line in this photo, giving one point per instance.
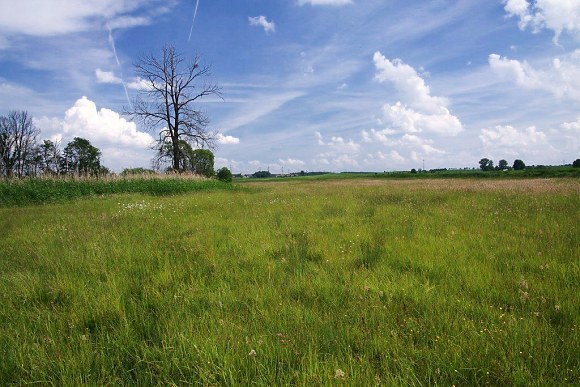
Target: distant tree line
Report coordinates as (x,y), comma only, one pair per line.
(22,155)
(486,164)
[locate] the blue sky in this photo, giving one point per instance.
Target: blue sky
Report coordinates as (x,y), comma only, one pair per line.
(332,85)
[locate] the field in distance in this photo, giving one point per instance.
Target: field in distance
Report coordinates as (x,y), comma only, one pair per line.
(306,282)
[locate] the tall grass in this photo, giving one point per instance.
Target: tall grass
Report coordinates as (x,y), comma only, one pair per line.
(356,282)
(53,190)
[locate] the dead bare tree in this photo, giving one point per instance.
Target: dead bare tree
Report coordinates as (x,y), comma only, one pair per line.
(17,142)
(167,102)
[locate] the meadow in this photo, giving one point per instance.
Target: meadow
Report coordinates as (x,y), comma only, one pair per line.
(296,282)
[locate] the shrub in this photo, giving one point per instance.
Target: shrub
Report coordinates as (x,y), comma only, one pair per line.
(224,174)
(519,165)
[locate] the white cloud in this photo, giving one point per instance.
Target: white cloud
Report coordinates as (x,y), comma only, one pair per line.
(562,78)
(139,84)
(122,144)
(261,21)
(556,15)
(421,111)
(572,126)
(338,144)
(58,17)
(382,136)
(221,139)
(257,107)
(325,2)
(107,77)
(123,22)
(412,121)
(102,126)
(393,157)
(408,83)
(338,152)
(292,162)
(508,137)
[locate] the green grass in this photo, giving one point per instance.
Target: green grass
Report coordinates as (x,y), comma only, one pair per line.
(39,191)
(402,282)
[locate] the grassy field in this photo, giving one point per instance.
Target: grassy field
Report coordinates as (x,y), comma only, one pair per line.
(54,190)
(303,282)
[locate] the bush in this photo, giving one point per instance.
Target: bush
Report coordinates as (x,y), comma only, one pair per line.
(224,174)
(519,165)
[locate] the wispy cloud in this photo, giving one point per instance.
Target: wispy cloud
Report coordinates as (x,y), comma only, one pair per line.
(114,49)
(66,16)
(325,2)
(221,139)
(255,107)
(107,77)
(261,21)
(193,20)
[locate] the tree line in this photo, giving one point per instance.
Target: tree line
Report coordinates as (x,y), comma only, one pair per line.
(486,164)
(21,154)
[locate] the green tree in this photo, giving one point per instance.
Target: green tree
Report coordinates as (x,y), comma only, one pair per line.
(503,164)
(486,164)
(224,174)
(519,165)
(81,158)
(49,157)
(576,163)
(261,174)
(201,161)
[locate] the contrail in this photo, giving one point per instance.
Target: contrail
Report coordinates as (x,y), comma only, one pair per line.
(193,21)
(112,44)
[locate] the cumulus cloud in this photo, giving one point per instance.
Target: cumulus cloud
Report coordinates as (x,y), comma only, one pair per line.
(103,126)
(107,77)
(338,152)
(338,144)
(384,136)
(562,78)
(261,21)
(509,138)
(221,139)
(556,15)
(412,121)
(325,2)
(120,141)
(408,83)
(420,112)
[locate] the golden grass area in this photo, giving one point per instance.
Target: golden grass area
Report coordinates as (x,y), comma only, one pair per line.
(555,185)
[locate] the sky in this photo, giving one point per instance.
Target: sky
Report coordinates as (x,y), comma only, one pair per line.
(313,85)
